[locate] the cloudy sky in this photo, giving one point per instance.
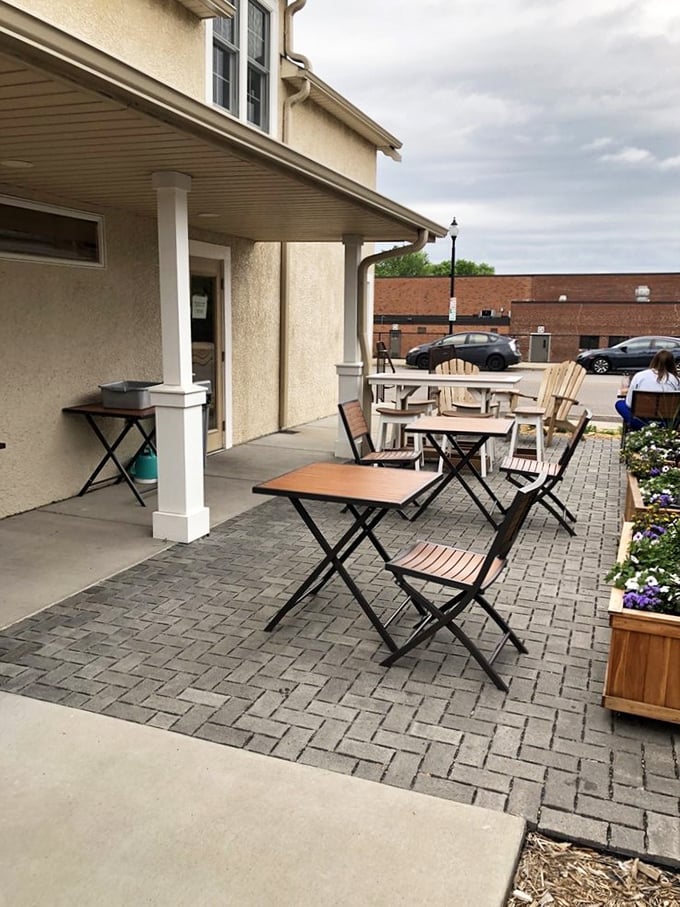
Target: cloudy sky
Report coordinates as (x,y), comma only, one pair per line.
(549,128)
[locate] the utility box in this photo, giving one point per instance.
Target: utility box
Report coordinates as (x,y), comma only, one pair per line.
(395,343)
(539,347)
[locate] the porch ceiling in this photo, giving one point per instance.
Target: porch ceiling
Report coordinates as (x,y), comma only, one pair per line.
(95,130)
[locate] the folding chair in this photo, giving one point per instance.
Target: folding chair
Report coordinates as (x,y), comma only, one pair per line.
(359,436)
(471,574)
(519,471)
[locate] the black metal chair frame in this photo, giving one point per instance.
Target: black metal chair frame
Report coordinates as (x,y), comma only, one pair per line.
(517,469)
(435,618)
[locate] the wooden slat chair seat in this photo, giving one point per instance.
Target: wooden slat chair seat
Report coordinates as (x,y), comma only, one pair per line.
(361,443)
(520,470)
(468,572)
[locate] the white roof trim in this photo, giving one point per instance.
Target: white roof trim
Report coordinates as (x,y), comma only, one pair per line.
(329,99)
(209,9)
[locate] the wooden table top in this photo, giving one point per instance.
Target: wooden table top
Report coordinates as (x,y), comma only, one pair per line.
(96,409)
(349,483)
(478,380)
(442,425)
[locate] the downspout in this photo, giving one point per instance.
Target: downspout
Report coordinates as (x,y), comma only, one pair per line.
(362,279)
(284,298)
(290,11)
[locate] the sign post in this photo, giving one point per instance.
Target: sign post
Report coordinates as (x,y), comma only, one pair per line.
(452,310)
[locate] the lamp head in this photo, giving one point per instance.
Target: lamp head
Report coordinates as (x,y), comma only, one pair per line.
(453,229)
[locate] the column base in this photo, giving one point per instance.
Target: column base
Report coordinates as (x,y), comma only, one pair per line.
(176,527)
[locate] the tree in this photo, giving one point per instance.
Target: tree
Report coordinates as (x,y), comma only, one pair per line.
(417,264)
(466,268)
(414,264)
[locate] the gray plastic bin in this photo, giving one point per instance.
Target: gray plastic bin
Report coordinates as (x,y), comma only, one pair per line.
(127,394)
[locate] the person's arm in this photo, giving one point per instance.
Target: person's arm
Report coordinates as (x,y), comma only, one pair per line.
(634,384)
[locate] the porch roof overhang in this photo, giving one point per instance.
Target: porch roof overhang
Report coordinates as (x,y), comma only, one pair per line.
(95,129)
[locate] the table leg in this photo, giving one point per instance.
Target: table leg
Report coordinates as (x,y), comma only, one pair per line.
(111,455)
(455,472)
(361,523)
(335,557)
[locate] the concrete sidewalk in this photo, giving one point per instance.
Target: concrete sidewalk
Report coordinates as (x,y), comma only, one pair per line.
(98,811)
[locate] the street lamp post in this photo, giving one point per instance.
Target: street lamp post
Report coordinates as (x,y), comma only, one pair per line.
(453,233)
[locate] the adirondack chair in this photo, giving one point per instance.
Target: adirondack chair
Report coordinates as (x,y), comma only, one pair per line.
(556,395)
(459,401)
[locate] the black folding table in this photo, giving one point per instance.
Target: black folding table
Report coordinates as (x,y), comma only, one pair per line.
(477,431)
(132,419)
(368,493)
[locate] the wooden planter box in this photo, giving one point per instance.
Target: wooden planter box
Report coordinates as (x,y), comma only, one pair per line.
(633,507)
(643,668)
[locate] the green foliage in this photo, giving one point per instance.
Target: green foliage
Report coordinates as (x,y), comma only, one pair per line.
(649,573)
(417,264)
(647,450)
(466,268)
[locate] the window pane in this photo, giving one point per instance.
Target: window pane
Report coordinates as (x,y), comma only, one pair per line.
(257,97)
(44,234)
(224,27)
(257,34)
(224,78)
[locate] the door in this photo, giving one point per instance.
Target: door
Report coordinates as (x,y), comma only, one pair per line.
(207,340)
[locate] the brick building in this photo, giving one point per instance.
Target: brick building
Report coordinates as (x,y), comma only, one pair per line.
(551,315)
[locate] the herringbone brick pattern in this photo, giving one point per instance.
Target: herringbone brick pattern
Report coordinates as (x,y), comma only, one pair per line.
(178,642)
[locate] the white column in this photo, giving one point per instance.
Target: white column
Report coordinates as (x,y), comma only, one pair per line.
(350,370)
(182,515)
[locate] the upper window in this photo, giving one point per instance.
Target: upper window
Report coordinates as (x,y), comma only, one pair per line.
(241,63)
(43,233)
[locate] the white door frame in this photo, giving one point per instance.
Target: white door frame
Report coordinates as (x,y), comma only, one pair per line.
(199,249)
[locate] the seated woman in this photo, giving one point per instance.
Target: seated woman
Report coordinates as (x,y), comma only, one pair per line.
(660,376)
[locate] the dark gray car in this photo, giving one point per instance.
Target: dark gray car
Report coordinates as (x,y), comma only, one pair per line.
(491,352)
(628,356)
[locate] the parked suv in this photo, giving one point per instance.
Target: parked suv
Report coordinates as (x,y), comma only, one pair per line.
(491,352)
(629,355)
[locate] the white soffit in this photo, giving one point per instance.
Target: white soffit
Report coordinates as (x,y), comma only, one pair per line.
(94,130)
(209,9)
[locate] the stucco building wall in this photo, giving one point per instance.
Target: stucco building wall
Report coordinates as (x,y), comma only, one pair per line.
(66,330)
(158,37)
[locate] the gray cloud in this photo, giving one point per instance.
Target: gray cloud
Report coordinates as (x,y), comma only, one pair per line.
(550,130)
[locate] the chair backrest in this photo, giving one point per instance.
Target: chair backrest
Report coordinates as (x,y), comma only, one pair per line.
(561,379)
(356,427)
(449,396)
(657,406)
(570,379)
(572,444)
(508,530)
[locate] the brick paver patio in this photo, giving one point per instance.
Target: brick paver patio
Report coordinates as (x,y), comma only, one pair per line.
(178,642)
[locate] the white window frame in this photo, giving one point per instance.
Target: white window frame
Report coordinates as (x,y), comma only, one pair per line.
(96,219)
(272,101)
